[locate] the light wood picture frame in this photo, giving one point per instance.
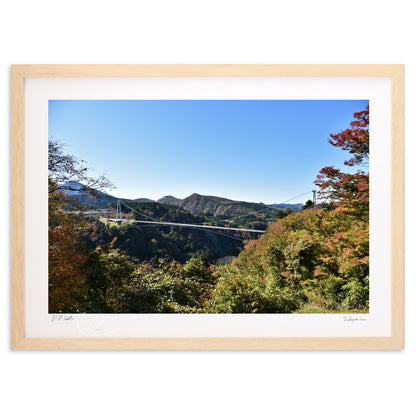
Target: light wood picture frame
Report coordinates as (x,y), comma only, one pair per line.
(19,339)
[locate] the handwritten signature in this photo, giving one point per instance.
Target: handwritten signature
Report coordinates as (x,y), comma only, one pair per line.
(353,319)
(62,318)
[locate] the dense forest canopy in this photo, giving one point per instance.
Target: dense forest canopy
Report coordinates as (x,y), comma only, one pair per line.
(311,261)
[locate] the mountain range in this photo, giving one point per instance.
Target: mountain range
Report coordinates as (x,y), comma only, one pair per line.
(294,207)
(213,205)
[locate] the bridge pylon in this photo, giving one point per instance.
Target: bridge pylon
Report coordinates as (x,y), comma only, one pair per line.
(118,213)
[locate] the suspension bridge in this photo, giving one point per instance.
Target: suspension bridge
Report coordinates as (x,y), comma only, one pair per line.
(150,221)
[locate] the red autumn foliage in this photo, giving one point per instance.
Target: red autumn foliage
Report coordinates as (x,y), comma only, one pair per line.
(355,139)
(348,189)
(67,261)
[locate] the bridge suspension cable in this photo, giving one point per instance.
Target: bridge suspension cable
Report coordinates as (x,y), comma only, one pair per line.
(295,197)
(187,225)
(159,222)
(138,212)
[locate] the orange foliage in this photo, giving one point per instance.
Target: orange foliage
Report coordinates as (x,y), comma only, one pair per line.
(67,261)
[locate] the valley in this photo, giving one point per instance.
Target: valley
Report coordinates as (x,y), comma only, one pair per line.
(150,242)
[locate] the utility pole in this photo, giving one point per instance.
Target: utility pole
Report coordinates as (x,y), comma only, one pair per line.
(314,199)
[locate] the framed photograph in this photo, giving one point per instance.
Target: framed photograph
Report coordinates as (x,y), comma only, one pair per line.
(207,207)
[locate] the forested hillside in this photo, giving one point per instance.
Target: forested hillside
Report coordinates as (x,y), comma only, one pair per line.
(143,242)
(169,199)
(221,206)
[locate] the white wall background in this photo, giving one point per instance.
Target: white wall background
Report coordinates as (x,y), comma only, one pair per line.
(218,31)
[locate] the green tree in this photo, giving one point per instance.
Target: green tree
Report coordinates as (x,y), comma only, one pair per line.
(308,204)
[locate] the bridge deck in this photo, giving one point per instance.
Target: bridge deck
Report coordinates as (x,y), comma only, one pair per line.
(186,225)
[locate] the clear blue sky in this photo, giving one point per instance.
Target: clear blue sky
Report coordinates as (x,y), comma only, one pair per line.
(254,150)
